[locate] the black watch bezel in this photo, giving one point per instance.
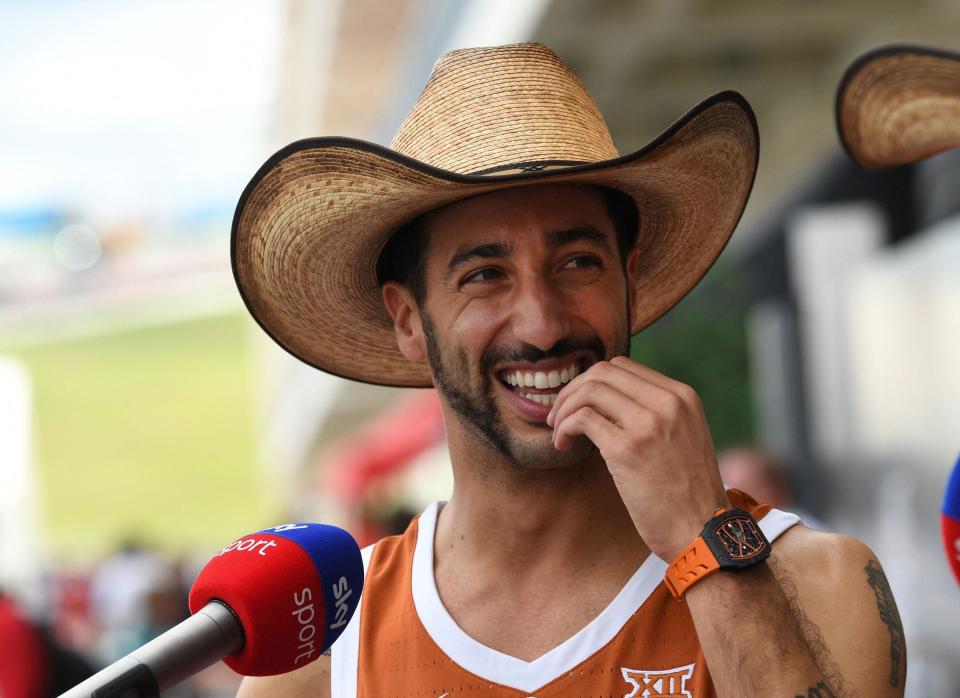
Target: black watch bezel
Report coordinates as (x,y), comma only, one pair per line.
(728,556)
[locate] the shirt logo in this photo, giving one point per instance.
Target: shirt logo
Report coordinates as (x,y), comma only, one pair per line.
(666,683)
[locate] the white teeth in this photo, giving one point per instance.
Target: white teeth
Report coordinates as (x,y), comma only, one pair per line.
(541,379)
(541,399)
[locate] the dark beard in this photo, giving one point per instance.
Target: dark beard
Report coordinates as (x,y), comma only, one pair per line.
(475,404)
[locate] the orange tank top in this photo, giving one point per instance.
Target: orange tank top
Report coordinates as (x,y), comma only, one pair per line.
(403,643)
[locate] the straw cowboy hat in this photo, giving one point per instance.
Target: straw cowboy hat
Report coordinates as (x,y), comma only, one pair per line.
(311,223)
(897,104)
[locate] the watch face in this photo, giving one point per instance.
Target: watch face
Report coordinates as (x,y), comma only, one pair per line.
(740,537)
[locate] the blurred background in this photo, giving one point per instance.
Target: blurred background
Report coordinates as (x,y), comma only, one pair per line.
(145,422)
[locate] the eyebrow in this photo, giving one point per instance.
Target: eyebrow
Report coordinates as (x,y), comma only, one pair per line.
(488,250)
(583,233)
(555,239)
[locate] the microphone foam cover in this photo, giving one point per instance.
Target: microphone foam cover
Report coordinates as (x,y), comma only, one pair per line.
(294,588)
(951,542)
(950,520)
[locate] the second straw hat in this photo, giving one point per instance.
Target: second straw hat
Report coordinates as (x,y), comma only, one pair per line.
(897,104)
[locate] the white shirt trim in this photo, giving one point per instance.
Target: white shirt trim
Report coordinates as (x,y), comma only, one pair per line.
(776,522)
(345,652)
(503,669)
(491,665)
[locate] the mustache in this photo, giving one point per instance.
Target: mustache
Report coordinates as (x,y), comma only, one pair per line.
(529,353)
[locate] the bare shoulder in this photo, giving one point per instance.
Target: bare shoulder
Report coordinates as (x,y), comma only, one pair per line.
(838,590)
(820,559)
(311,681)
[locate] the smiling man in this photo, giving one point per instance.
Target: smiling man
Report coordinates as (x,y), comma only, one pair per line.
(503,252)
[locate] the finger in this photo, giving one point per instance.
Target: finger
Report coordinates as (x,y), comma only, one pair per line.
(586,422)
(596,371)
(601,396)
(652,376)
(627,382)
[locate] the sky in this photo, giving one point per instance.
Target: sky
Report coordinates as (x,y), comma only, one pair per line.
(129,108)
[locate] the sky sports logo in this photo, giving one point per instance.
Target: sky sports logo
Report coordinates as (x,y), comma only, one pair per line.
(305,613)
(251,544)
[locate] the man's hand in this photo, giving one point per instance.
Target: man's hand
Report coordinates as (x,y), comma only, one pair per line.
(652,433)
(820,611)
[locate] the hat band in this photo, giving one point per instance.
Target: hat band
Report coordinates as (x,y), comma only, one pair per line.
(530,166)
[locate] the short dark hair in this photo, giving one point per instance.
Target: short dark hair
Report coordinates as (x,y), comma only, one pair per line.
(402,258)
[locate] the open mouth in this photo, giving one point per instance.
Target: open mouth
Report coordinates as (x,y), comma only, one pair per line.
(541,385)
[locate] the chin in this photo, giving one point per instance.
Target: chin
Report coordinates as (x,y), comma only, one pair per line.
(539,453)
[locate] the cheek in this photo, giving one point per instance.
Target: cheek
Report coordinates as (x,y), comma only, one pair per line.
(477,323)
(602,305)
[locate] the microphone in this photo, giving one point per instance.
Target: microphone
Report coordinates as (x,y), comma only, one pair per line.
(950,520)
(268,603)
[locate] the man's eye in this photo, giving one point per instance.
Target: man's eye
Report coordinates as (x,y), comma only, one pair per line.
(582,262)
(481,275)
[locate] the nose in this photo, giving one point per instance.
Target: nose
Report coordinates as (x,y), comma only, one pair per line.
(540,317)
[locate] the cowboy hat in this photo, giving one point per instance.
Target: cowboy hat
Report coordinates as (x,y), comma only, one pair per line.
(312,222)
(899,103)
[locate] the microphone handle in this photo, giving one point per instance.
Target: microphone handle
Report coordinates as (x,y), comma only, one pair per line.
(203,639)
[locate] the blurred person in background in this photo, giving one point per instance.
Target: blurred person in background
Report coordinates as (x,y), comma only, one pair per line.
(24,670)
(120,589)
(32,663)
(589,545)
(753,470)
(133,596)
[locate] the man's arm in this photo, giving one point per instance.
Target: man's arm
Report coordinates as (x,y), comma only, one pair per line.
(817,620)
(312,681)
(801,625)
(840,596)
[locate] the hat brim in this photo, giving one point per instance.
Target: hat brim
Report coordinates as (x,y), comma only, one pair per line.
(311,223)
(899,103)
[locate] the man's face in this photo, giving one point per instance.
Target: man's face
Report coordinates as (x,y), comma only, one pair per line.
(525,289)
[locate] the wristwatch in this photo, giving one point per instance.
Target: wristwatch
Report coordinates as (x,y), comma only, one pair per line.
(731,541)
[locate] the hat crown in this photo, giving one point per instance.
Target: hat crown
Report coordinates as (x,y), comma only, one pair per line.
(503,108)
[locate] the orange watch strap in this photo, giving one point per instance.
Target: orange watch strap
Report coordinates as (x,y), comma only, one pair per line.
(692,565)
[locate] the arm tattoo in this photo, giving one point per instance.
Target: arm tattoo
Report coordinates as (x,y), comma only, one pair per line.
(813,638)
(889,615)
(821,690)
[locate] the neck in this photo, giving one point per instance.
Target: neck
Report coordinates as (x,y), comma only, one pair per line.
(540,519)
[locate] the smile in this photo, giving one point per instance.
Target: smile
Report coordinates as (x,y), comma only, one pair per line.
(549,381)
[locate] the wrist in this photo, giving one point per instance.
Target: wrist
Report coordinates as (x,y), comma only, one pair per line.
(685,528)
(730,541)
(682,536)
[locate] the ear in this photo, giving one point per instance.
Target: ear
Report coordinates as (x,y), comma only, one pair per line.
(406,321)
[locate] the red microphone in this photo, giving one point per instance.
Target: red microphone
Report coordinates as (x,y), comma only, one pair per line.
(950,520)
(268,603)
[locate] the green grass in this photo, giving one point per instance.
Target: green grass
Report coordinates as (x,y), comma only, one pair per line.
(147,432)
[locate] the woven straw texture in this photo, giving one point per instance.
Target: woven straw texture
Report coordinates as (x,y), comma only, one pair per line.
(519,104)
(310,225)
(898,104)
